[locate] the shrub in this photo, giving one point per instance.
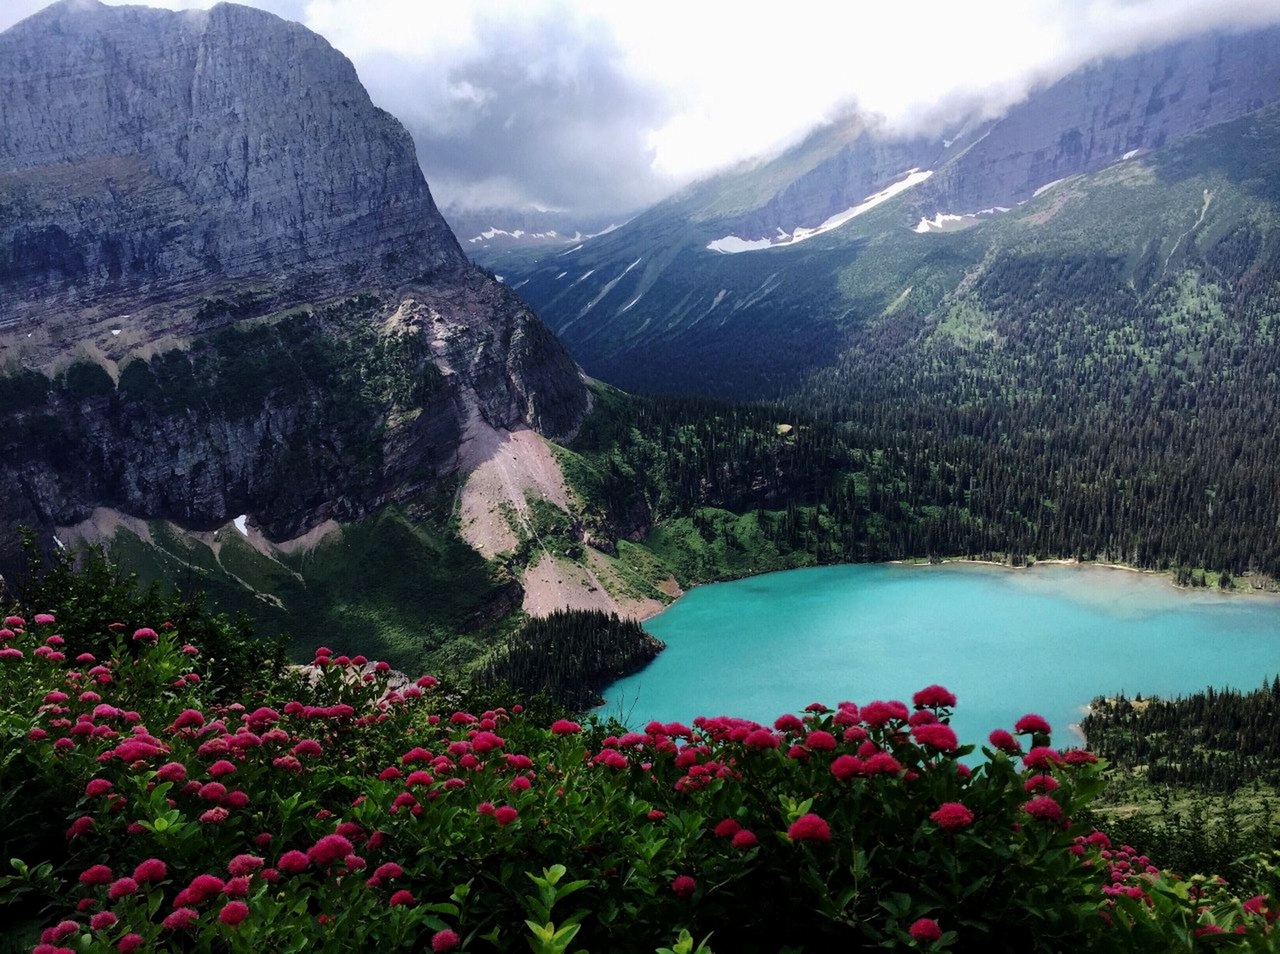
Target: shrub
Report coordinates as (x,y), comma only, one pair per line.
(343,808)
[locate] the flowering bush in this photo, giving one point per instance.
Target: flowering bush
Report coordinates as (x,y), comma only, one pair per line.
(342,811)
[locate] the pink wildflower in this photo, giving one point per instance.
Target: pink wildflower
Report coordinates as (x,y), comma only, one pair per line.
(443,941)
(934,697)
(1032,724)
(820,741)
(233,912)
(684,886)
(744,839)
(727,828)
(810,827)
(121,888)
(937,736)
(952,816)
(293,862)
(98,874)
(153,869)
(171,772)
(1004,741)
(1044,808)
(925,929)
(244,864)
(565,727)
(329,849)
(181,918)
(102,921)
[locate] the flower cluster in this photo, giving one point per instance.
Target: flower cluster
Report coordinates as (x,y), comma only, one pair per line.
(356,806)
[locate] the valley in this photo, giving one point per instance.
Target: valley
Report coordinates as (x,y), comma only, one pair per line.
(281,438)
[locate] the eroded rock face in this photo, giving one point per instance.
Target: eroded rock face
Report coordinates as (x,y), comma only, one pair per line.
(1100,113)
(147,154)
(325,414)
(165,175)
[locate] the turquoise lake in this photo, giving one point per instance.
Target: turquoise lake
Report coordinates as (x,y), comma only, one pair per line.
(1006,642)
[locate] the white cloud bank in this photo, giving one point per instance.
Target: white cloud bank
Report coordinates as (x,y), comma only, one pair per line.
(607,106)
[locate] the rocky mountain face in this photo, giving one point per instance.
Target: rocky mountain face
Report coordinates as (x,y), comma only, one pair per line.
(225,288)
(149,155)
(1099,114)
(742,273)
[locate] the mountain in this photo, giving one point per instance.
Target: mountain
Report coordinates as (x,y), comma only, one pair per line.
(742,284)
(492,236)
(149,156)
(227,298)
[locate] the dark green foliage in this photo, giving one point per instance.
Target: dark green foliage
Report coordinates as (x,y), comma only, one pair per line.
(811,492)
(93,594)
(1217,740)
(400,588)
(22,390)
(85,379)
(287,413)
(569,656)
(1210,761)
(1190,839)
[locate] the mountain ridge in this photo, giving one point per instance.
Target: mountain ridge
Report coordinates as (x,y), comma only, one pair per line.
(683,308)
(152,156)
(226,290)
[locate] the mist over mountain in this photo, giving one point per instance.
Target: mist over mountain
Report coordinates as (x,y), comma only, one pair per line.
(827,235)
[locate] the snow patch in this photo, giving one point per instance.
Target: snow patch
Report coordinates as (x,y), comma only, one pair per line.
(572,250)
(1046,187)
(58,543)
(115,332)
(492,233)
(938,222)
(946,221)
(732,244)
(585,275)
(1130,154)
(561,275)
(242,524)
(627,306)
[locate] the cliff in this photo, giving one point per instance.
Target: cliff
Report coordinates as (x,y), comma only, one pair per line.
(147,155)
(225,287)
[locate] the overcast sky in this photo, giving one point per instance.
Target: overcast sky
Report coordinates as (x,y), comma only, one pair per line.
(606,106)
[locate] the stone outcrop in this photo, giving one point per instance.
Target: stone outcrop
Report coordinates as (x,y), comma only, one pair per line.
(150,155)
(164,176)
(1098,114)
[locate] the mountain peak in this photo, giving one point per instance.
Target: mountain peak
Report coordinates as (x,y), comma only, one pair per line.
(157,156)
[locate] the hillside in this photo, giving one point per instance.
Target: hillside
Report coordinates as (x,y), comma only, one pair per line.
(741,284)
(1084,372)
(238,342)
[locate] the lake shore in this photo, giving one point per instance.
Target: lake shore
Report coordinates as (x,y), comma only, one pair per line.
(1247,584)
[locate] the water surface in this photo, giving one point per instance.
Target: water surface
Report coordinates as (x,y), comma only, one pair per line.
(1006,642)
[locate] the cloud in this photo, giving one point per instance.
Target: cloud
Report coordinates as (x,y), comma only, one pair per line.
(538,109)
(606,106)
